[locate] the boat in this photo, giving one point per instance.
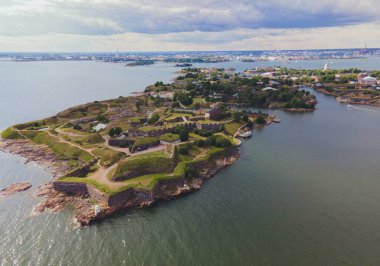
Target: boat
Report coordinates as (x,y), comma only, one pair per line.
(350,106)
(246,134)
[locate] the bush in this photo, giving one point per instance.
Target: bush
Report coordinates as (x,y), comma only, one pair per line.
(115,132)
(77,127)
(249,124)
(222,142)
(182,132)
(102,119)
(218,141)
(203,132)
(155,117)
(183,149)
(260,120)
(200,143)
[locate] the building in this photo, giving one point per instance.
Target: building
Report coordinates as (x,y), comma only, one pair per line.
(214,114)
(369,81)
(361,76)
(269,89)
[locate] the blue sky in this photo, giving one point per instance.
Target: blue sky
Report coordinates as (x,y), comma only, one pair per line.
(155,25)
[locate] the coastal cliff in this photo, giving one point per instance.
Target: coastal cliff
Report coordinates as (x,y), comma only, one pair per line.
(84,197)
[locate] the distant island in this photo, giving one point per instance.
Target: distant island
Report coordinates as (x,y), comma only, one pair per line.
(116,154)
(140,63)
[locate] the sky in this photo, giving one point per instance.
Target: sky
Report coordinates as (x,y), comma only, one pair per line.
(186,25)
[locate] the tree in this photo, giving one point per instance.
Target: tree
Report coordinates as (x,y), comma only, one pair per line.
(249,124)
(260,120)
(102,119)
(115,132)
(184,98)
(182,132)
(118,131)
(155,117)
(237,117)
(111,132)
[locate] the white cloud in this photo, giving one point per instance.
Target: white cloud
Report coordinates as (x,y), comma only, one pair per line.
(131,25)
(239,39)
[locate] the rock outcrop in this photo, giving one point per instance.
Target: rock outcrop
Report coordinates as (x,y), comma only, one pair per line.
(15,188)
(38,154)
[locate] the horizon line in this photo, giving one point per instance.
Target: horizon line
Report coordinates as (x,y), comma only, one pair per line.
(190,51)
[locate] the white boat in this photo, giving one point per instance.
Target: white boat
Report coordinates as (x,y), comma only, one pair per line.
(247,134)
(350,106)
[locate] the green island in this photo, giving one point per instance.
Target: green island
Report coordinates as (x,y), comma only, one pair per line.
(133,151)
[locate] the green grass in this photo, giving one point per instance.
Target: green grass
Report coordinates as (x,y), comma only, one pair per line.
(93,139)
(168,137)
(108,156)
(197,100)
(148,181)
(161,154)
(64,151)
(143,166)
(144,142)
(232,127)
(196,136)
(10,133)
(148,128)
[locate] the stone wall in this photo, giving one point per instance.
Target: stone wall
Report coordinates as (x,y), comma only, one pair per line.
(77,189)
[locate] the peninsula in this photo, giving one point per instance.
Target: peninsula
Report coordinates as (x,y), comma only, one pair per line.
(133,151)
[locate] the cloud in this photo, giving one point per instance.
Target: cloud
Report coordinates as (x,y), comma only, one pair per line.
(135,25)
(107,17)
(238,39)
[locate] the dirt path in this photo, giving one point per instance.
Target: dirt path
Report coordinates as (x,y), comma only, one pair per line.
(101,177)
(70,143)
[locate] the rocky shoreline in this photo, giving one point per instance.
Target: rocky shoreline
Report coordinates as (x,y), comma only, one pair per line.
(133,198)
(85,205)
(38,154)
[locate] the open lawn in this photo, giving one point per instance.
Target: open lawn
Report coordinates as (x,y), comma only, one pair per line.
(232,127)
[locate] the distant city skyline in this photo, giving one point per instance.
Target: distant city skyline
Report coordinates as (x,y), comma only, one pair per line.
(169,25)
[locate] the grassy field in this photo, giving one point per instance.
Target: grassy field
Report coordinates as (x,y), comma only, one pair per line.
(108,156)
(168,137)
(144,165)
(145,141)
(10,133)
(232,127)
(64,151)
(147,181)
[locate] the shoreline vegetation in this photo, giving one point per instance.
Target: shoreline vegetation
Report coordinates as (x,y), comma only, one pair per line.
(117,154)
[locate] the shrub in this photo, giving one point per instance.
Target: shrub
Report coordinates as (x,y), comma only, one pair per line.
(183,149)
(218,141)
(155,117)
(203,132)
(182,132)
(260,120)
(77,127)
(115,132)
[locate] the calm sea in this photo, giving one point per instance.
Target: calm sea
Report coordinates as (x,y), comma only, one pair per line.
(304,192)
